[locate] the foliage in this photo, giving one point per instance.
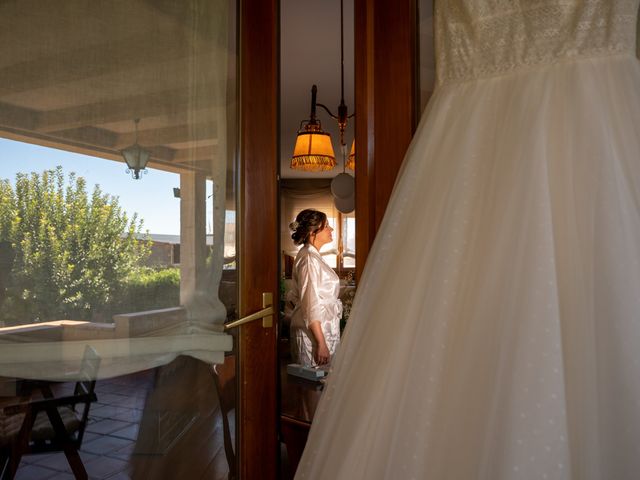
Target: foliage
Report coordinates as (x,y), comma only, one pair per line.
(149,289)
(71,252)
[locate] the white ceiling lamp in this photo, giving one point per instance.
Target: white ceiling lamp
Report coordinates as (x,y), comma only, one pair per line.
(135,156)
(345,205)
(342,185)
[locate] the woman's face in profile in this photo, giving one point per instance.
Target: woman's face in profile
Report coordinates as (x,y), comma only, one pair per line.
(324,235)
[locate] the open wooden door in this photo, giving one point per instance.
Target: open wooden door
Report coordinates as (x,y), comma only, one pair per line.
(86,86)
(257,441)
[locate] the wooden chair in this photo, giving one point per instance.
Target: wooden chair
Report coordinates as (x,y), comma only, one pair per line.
(224,378)
(52,424)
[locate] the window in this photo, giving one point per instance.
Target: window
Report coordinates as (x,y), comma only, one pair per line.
(348,239)
(86,83)
(297,195)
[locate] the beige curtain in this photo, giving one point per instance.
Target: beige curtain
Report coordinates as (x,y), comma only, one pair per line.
(294,199)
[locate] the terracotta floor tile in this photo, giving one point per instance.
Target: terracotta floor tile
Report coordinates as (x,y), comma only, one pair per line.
(63,476)
(123,453)
(90,437)
(37,459)
(120,476)
(105,445)
(58,461)
(105,467)
(34,472)
(106,426)
(105,398)
(130,432)
(117,412)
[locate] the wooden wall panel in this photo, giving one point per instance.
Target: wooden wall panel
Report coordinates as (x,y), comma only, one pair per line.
(386,67)
(258,447)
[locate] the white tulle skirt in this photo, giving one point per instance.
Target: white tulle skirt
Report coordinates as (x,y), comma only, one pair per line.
(496,330)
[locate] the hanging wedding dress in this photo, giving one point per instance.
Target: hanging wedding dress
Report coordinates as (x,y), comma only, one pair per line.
(496,330)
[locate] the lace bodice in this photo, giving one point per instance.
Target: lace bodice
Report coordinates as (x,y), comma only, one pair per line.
(481,38)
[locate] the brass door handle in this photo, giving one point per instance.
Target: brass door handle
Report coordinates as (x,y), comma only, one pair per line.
(266,314)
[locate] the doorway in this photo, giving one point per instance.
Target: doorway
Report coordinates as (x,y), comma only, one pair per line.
(178,84)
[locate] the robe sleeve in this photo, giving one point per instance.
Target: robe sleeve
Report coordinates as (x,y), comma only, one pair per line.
(309,276)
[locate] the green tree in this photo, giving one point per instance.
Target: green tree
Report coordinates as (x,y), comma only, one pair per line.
(71,252)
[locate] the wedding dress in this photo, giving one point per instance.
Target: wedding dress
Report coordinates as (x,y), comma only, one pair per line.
(496,329)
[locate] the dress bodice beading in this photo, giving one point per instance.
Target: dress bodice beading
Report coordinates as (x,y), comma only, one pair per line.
(482,38)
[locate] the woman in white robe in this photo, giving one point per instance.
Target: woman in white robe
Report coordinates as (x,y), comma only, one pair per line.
(315,320)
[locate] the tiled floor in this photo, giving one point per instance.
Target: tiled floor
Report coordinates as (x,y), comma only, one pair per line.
(110,436)
(110,439)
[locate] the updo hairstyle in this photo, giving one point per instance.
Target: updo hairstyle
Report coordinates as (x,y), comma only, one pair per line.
(307,222)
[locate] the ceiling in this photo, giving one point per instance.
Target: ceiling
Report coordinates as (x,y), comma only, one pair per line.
(76,74)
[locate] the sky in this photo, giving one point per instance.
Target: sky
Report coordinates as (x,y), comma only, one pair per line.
(151,196)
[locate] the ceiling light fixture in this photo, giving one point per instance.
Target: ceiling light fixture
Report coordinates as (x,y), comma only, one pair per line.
(135,156)
(313,151)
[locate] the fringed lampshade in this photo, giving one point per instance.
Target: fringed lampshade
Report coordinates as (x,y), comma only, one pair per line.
(313,151)
(351,159)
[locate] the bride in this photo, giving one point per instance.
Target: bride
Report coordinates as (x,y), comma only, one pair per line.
(496,329)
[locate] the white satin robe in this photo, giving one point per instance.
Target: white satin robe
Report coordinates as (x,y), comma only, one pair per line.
(315,298)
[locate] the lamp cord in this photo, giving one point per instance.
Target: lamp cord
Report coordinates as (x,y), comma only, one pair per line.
(342,50)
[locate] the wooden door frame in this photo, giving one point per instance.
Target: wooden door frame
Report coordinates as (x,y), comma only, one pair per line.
(386,96)
(257,434)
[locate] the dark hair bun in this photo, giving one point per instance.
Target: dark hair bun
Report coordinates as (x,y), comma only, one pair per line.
(307,222)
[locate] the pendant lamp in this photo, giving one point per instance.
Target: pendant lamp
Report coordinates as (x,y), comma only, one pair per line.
(135,156)
(313,151)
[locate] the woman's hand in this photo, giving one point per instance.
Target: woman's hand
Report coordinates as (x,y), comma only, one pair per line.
(321,352)
(321,355)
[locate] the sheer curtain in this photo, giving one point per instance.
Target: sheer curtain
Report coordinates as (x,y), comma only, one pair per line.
(74,77)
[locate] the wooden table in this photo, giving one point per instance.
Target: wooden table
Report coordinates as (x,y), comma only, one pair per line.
(299,400)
